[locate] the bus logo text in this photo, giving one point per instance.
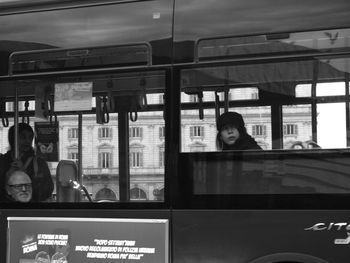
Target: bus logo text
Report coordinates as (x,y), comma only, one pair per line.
(330,226)
(333,227)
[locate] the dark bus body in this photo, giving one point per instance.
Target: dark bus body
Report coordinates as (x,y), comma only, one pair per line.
(271,206)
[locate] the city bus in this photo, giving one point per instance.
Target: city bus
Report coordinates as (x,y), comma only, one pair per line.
(124,97)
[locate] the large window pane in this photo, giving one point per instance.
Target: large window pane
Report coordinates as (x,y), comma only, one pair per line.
(146,155)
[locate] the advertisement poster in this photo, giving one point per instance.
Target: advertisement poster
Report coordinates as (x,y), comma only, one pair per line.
(73,96)
(47,135)
(86,240)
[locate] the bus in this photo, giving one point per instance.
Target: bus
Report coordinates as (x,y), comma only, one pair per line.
(124,97)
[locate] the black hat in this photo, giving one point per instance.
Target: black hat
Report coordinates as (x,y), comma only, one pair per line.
(232,118)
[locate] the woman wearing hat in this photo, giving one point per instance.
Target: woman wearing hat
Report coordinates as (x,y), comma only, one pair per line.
(232,134)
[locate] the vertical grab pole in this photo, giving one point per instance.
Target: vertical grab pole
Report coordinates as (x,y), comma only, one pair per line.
(347,106)
(314,102)
(217,106)
(80,153)
(123,142)
(16,121)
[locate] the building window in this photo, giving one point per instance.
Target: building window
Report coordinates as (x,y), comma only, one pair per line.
(161,157)
(136,157)
(73,155)
(135,132)
(161,132)
(105,160)
(73,133)
(259,130)
(290,129)
(104,132)
(197,131)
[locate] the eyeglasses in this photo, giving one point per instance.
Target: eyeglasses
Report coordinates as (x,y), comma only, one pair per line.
(19,187)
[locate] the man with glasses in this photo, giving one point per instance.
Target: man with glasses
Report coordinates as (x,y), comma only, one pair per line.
(19,187)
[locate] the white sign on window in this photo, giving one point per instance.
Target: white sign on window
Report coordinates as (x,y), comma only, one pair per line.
(73,96)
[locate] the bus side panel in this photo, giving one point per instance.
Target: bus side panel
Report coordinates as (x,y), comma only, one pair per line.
(260,236)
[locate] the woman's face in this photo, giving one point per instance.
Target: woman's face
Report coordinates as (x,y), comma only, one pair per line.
(229,134)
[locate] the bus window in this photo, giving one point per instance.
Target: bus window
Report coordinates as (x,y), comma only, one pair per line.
(282,101)
(110,128)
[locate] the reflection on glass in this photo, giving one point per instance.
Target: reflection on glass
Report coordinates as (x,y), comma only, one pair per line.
(287,173)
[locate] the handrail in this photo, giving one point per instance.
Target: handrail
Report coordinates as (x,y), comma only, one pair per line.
(83,72)
(263,59)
